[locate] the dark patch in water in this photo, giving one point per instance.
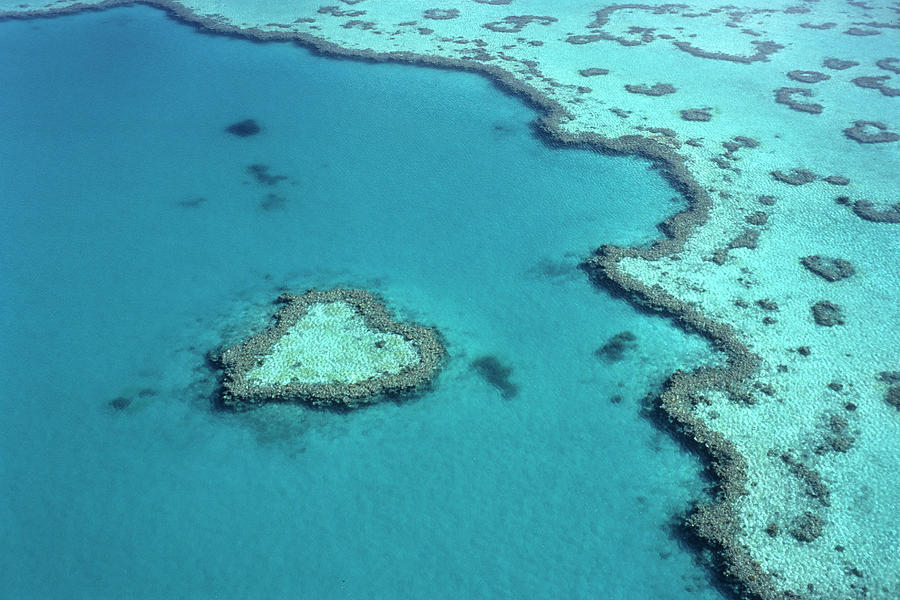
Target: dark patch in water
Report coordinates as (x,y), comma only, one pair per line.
(807,76)
(868,211)
(273,202)
(827,314)
(657,89)
(615,348)
(497,374)
(696,114)
(555,269)
(871,132)
(786,96)
(807,527)
(244,128)
(192,203)
(892,396)
(261,174)
(120,403)
(593,72)
(795,176)
(838,64)
(830,269)
(877,83)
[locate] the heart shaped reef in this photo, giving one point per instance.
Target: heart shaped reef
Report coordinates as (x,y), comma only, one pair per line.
(336,347)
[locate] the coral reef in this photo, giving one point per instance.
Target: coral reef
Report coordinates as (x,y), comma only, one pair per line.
(795,177)
(858,31)
(807,527)
(785,95)
(515,24)
(120,403)
(261,174)
(827,314)
(838,64)
(892,396)
(866,210)
(877,83)
(763,50)
(441,14)
(889,64)
(497,374)
(696,114)
(338,347)
(244,128)
(657,89)
(615,348)
(829,269)
(808,76)
(870,132)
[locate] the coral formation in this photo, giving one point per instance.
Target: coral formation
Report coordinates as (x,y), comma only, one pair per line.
(616,347)
(807,527)
(858,31)
(120,403)
(889,64)
(795,177)
(871,132)
(338,347)
(877,83)
(657,89)
(892,396)
(829,269)
(839,64)
(497,374)
(261,174)
(785,95)
(244,128)
(696,114)
(515,24)
(868,211)
(827,314)
(762,52)
(807,76)
(441,14)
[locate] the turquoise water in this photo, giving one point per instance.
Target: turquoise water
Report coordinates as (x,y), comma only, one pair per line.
(426,186)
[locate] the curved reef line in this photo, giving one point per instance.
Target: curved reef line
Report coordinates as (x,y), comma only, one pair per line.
(715,524)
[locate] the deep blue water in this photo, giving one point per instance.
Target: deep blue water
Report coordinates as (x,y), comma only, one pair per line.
(133,240)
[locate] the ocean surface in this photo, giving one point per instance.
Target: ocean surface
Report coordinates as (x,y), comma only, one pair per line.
(134,239)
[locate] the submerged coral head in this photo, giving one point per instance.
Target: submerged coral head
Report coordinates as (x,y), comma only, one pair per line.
(244,128)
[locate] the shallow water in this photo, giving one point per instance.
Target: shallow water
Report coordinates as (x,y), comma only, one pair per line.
(135,240)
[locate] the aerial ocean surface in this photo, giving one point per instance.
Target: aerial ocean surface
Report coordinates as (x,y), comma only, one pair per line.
(137,235)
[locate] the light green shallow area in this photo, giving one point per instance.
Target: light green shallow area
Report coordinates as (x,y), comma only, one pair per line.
(331,343)
(861,516)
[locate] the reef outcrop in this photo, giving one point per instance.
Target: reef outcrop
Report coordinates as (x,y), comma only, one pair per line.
(871,132)
(786,96)
(337,348)
(829,269)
